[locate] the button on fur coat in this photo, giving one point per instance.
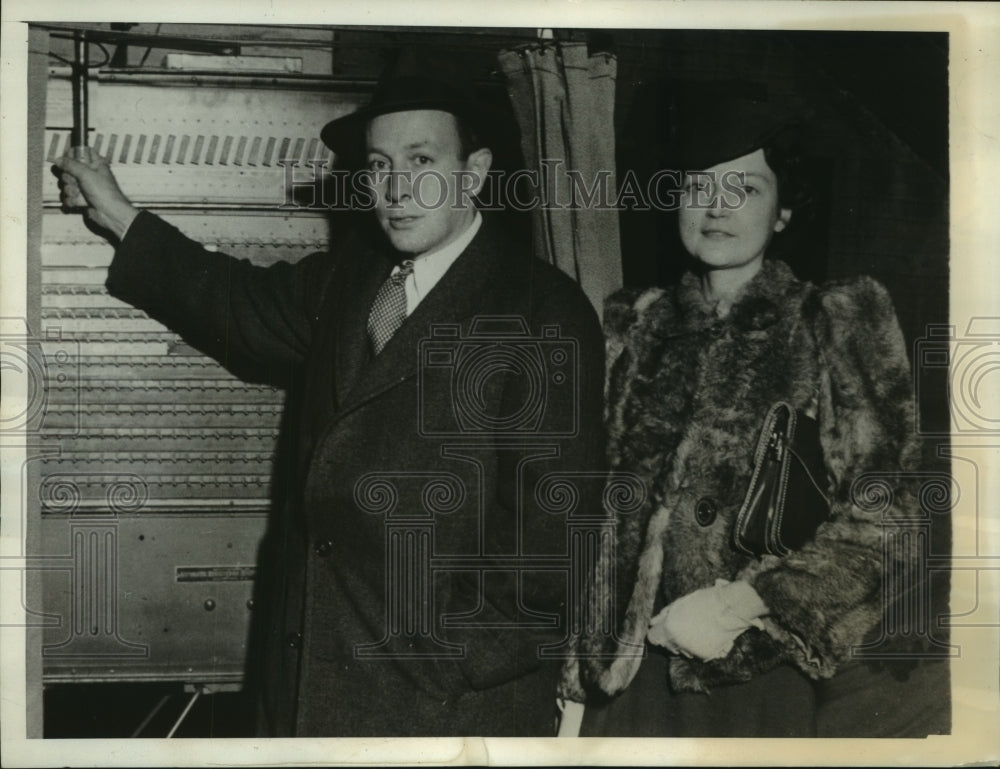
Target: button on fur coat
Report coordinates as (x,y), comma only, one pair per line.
(686,395)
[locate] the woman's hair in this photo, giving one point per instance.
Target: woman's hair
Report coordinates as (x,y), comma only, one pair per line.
(784,154)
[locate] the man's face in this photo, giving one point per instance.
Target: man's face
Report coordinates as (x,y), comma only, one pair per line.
(424,187)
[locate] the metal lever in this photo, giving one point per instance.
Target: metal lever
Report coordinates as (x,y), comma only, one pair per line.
(146,721)
(78,137)
(78,81)
(197,693)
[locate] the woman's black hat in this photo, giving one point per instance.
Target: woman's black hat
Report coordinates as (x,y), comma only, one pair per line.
(713,126)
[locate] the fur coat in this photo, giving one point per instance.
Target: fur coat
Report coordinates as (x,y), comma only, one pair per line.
(686,395)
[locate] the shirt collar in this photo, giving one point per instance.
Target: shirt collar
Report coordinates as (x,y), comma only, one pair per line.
(429,268)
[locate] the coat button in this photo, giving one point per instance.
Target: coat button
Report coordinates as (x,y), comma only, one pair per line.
(323,548)
(705,511)
(294,640)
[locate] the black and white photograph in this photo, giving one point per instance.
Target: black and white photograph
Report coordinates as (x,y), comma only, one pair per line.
(503,380)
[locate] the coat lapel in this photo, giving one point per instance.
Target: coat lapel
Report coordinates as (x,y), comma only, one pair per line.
(357,292)
(456,297)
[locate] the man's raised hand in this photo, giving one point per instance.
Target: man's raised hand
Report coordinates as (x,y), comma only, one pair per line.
(86,181)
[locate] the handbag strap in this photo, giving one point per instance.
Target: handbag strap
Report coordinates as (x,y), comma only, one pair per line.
(809,474)
(811,408)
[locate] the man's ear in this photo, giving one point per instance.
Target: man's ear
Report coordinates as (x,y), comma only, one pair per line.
(479,162)
(784,217)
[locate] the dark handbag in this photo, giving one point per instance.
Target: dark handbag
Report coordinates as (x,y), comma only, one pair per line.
(786,502)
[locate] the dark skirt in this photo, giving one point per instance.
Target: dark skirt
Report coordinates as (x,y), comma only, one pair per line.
(781,703)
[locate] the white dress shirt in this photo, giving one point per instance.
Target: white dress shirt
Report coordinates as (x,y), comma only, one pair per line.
(428,269)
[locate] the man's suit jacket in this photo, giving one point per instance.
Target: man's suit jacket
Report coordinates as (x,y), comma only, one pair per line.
(426,450)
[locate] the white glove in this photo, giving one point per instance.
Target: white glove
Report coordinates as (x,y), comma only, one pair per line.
(705,623)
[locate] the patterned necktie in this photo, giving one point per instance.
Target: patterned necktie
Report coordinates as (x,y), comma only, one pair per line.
(389,308)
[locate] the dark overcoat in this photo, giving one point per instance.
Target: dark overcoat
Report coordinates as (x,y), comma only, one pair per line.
(400,458)
(687,394)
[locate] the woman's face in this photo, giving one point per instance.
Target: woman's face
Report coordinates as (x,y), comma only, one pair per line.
(718,229)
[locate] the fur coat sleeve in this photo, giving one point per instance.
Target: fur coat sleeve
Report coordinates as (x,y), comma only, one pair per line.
(685,398)
(828,595)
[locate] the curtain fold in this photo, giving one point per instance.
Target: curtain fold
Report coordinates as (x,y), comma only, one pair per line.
(563,100)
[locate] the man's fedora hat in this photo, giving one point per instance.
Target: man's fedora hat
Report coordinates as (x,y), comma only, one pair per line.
(412,83)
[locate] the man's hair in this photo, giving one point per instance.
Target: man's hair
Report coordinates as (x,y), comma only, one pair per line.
(469,139)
